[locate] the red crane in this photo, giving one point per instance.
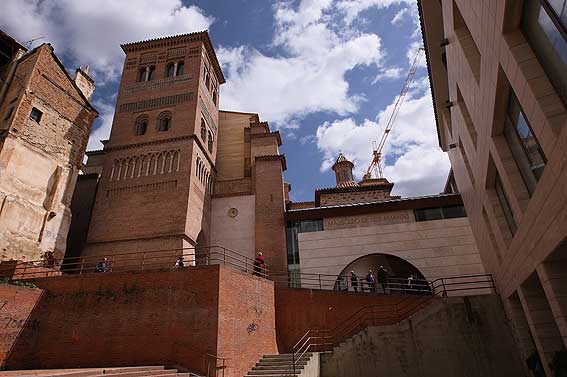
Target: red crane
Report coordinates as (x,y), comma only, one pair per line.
(375,168)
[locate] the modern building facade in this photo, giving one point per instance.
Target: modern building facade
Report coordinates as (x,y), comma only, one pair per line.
(45,122)
(498,72)
(361,226)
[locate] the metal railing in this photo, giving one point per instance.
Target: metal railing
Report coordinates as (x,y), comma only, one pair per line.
(440,286)
(139,261)
(415,295)
(212,365)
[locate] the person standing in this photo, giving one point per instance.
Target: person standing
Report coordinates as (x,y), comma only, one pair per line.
(383,278)
(354,281)
(259,265)
(371,281)
(102,266)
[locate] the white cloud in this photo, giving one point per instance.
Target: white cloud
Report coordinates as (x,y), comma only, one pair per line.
(308,76)
(398,17)
(90,32)
(419,166)
(353,8)
(389,74)
(104,124)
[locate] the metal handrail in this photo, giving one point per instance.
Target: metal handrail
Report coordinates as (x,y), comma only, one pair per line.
(216,358)
(394,312)
(151,259)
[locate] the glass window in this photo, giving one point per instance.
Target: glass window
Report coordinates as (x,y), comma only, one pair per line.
(505,204)
(35,115)
(151,72)
(170,70)
(547,33)
(426,214)
(452,212)
(293,228)
(524,145)
(180,67)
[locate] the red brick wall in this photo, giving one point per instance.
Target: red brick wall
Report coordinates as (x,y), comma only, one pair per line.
(131,318)
(150,317)
(298,310)
(246,320)
(16,304)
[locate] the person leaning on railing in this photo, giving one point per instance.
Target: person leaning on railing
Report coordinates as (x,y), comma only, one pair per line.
(102,266)
(259,265)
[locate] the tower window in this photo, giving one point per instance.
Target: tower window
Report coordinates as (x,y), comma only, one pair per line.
(164,122)
(142,74)
(214,95)
(210,142)
(151,73)
(35,115)
(203,130)
(170,71)
(180,67)
(141,126)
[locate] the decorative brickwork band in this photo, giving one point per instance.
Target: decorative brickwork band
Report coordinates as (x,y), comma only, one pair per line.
(156,102)
(145,165)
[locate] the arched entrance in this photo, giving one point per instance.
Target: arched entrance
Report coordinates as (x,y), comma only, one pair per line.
(201,251)
(398,268)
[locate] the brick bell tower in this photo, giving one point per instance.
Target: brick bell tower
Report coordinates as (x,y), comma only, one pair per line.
(156,184)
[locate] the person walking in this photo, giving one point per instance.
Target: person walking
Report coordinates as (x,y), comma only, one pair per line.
(383,278)
(179,262)
(259,265)
(410,284)
(371,281)
(354,281)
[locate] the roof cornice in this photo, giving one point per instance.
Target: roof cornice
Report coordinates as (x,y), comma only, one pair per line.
(172,40)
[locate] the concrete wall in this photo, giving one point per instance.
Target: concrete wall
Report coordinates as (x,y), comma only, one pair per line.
(147,318)
(458,337)
(438,248)
(236,233)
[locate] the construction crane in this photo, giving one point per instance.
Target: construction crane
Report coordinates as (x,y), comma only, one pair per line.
(375,168)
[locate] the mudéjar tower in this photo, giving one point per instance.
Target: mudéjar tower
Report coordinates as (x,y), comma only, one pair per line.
(156,183)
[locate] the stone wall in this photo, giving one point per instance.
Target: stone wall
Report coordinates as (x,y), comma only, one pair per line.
(234,229)
(40,160)
(458,337)
(438,248)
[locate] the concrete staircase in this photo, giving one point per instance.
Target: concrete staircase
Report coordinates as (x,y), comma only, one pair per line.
(145,371)
(279,366)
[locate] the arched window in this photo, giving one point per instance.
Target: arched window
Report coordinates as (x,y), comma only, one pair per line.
(207,77)
(180,66)
(214,94)
(170,70)
(142,74)
(141,126)
(164,122)
(203,130)
(210,142)
(151,73)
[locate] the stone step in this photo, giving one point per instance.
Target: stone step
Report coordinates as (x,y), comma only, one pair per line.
(266,364)
(94,372)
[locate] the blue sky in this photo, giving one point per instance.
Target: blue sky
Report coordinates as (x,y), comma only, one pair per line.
(323,72)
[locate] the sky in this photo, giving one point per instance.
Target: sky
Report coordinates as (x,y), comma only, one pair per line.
(325,73)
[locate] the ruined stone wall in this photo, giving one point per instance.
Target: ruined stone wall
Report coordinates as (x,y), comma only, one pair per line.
(39,161)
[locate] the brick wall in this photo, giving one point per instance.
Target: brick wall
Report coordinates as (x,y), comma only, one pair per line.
(16,305)
(299,310)
(143,318)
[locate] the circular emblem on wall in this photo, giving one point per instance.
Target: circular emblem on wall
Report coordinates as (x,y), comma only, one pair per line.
(233,212)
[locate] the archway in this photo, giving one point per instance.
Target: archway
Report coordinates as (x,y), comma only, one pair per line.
(398,268)
(201,250)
